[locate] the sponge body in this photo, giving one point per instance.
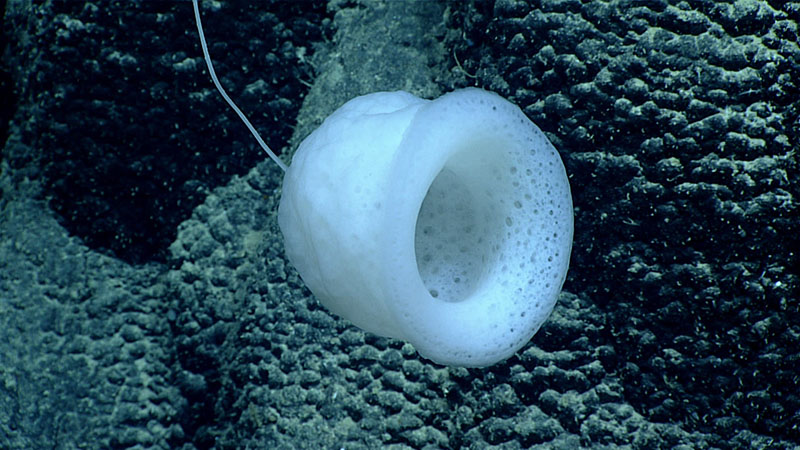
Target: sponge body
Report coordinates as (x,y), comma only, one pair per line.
(333,198)
(446,223)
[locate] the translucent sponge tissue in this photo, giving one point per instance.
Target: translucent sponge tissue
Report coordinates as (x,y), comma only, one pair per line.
(446,223)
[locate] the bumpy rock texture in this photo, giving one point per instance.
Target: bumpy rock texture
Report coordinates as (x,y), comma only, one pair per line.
(131,137)
(680,122)
(680,321)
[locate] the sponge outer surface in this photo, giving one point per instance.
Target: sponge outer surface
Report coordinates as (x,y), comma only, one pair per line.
(333,194)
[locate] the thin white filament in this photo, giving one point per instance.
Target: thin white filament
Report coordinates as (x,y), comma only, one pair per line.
(225,95)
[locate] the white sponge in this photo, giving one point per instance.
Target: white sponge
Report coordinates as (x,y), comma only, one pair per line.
(446,223)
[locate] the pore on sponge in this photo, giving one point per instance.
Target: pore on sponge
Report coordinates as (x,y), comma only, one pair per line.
(446,223)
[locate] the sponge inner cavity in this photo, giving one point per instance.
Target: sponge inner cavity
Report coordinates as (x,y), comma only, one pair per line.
(452,242)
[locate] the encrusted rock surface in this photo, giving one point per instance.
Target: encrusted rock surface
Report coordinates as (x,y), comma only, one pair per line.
(145,300)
